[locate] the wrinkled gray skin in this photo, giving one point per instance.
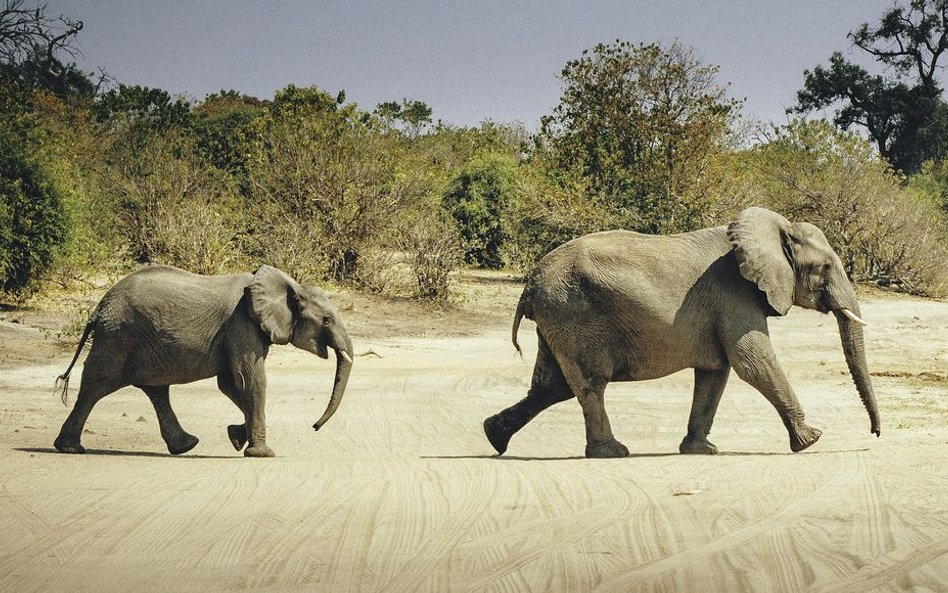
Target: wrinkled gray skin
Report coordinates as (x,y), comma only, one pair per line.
(163,326)
(621,306)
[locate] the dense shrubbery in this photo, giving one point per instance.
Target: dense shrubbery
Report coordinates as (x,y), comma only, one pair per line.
(33,218)
(477,199)
(389,202)
(883,231)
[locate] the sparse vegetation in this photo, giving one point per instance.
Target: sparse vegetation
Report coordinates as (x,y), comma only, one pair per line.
(98,175)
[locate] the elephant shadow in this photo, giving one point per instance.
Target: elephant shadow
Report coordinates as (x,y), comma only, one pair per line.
(646,455)
(123,453)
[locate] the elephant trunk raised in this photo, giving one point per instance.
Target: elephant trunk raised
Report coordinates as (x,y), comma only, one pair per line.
(843,303)
(343,348)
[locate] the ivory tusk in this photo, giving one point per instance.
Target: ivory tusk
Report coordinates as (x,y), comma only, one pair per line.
(345,355)
(853,316)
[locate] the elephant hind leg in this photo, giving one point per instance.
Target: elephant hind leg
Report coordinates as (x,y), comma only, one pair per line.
(176,438)
(94,386)
(590,388)
(548,387)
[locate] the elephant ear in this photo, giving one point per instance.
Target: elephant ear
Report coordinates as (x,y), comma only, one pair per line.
(273,296)
(760,241)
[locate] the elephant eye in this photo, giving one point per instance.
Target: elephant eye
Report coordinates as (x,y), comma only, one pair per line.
(327,320)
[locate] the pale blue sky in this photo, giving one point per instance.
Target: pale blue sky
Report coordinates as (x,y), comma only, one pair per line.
(469,60)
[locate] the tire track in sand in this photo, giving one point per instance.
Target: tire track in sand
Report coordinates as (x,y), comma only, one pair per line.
(12,509)
(430,556)
(564,531)
(885,569)
(854,468)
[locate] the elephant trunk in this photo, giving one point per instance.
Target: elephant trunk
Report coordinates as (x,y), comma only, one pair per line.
(850,332)
(343,349)
(841,300)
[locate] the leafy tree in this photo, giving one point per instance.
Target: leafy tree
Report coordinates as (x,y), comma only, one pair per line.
(639,123)
(147,108)
(293,101)
(413,115)
(326,183)
(72,152)
(904,113)
(223,123)
(548,208)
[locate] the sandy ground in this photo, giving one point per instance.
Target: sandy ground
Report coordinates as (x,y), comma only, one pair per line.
(401,491)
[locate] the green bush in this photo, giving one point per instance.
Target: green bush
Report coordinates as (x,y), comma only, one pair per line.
(33,219)
(476,198)
(549,208)
(433,250)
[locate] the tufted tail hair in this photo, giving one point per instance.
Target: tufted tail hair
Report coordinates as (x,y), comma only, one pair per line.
(62,381)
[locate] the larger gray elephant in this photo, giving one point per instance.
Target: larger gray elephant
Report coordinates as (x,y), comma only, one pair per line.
(622,306)
(164,326)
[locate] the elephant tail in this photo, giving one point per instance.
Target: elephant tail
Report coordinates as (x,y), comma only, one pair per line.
(524,309)
(62,381)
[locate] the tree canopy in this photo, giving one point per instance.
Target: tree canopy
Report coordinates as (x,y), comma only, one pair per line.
(100,179)
(902,109)
(639,123)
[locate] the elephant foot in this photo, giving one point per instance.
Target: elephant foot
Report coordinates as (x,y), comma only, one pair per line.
(64,445)
(804,437)
(697,446)
(183,444)
(606,449)
(258,451)
(497,433)
(238,435)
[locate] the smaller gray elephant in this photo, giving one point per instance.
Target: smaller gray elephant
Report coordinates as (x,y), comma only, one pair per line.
(164,326)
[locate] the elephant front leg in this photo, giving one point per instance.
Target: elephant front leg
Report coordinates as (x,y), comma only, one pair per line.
(709,385)
(254,383)
(176,438)
(754,361)
(236,433)
(257,435)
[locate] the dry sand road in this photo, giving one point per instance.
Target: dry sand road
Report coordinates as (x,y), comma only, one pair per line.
(400,491)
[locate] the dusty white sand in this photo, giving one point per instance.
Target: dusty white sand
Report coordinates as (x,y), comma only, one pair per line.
(400,491)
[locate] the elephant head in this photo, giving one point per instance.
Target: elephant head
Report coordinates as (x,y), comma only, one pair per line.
(289,312)
(793,264)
